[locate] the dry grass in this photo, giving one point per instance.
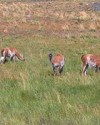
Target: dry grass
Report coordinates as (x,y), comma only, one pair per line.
(54,17)
(29,94)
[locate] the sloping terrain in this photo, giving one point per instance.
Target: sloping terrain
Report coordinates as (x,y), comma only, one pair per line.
(51,18)
(29,93)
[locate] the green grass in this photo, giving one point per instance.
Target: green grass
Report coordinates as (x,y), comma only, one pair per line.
(30,95)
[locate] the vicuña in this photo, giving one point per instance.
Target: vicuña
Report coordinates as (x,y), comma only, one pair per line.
(57,62)
(90,61)
(11,53)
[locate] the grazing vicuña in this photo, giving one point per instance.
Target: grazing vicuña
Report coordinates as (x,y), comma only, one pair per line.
(90,61)
(57,62)
(11,53)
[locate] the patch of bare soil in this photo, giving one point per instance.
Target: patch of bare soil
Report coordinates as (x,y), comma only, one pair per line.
(50,18)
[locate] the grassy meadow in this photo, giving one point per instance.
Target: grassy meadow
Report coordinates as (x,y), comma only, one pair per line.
(31,95)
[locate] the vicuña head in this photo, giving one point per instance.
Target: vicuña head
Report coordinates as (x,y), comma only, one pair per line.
(11,53)
(57,62)
(90,61)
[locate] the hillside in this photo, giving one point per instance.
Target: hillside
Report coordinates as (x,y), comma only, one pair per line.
(62,18)
(29,92)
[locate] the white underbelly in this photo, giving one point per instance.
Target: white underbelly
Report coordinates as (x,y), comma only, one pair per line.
(91,63)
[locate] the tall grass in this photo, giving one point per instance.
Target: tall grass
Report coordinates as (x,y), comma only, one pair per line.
(30,95)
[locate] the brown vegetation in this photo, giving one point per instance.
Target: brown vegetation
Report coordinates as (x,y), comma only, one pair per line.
(53,17)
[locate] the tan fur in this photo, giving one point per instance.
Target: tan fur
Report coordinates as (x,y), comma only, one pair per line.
(90,60)
(57,59)
(57,63)
(12,53)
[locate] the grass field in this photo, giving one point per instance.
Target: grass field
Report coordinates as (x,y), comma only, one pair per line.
(30,94)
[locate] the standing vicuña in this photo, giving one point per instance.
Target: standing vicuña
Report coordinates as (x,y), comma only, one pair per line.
(57,62)
(90,60)
(11,53)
